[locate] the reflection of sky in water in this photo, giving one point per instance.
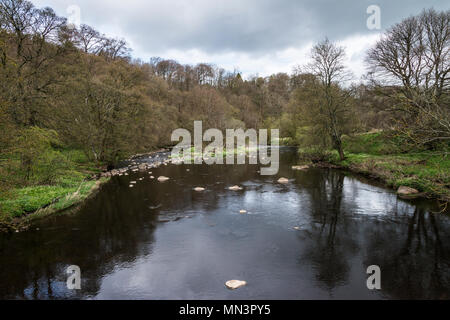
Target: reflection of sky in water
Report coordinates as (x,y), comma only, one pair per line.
(365,199)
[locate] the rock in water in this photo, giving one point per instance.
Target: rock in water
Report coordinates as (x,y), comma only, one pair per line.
(235,188)
(235,284)
(199,189)
(283,180)
(162,179)
(406,191)
(243,211)
(300,167)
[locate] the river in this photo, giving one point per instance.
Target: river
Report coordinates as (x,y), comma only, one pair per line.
(167,241)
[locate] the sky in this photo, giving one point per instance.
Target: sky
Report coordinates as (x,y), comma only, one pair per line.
(256,37)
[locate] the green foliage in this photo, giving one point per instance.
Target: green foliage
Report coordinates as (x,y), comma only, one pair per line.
(372,143)
(32,198)
(38,161)
(55,179)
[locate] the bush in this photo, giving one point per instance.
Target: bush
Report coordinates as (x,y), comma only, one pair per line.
(48,167)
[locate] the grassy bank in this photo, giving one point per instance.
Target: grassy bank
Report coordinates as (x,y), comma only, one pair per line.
(49,186)
(395,163)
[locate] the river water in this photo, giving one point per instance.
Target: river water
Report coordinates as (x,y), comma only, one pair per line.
(166,241)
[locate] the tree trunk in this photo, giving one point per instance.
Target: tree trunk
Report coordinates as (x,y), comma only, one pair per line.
(340,150)
(338,146)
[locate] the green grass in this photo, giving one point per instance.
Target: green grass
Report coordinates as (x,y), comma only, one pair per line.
(386,159)
(29,199)
(376,143)
(38,196)
(69,200)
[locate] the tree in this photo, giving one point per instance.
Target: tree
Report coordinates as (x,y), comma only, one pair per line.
(31,61)
(330,111)
(413,61)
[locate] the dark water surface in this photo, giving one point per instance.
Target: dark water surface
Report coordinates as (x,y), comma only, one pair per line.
(166,241)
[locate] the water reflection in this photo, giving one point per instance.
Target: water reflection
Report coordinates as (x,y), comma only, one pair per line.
(166,241)
(328,248)
(357,226)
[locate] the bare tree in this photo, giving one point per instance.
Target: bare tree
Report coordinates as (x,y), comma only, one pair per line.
(34,38)
(89,40)
(204,73)
(413,60)
(328,67)
(115,48)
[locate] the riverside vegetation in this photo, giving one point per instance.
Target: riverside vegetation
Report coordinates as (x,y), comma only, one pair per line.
(73,103)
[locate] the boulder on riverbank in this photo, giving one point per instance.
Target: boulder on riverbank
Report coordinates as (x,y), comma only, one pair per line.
(407,191)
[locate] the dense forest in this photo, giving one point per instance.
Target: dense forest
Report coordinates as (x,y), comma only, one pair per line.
(73,95)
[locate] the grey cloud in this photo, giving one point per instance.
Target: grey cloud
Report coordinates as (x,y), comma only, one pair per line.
(251,26)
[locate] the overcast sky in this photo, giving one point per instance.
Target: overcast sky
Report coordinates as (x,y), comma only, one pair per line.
(254,36)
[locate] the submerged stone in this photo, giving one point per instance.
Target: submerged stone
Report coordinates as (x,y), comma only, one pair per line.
(300,167)
(235,284)
(163,179)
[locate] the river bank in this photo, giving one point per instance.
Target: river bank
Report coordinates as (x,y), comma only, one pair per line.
(21,206)
(379,158)
(396,171)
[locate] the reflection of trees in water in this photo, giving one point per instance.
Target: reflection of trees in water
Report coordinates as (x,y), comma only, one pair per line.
(112,230)
(117,228)
(329,246)
(106,233)
(412,249)
(414,257)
